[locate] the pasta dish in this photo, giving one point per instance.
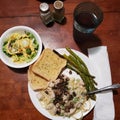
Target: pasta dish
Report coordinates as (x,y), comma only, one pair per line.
(64,96)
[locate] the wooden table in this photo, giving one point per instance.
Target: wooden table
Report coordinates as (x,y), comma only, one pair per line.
(15,103)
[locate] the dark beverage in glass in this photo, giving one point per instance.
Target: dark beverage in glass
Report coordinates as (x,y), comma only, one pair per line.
(87,17)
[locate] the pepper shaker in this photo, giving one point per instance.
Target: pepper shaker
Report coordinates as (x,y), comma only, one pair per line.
(45,13)
(58,11)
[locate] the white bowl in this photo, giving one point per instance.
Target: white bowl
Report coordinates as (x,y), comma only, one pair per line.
(7,60)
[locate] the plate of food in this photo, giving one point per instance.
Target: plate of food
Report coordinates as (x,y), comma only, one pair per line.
(58,83)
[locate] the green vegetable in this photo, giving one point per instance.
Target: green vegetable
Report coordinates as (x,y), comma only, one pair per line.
(75,63)
(75,99)
(5,43)
(30,35)
(28,51)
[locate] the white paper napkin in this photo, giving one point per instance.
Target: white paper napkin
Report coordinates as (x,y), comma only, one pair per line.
(104,109)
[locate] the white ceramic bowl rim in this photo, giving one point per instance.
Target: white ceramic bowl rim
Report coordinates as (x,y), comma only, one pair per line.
(4,36)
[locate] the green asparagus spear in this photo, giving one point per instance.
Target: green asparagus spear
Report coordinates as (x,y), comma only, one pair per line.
(76,63)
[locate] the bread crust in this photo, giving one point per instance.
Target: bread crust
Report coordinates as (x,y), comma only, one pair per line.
(35,81)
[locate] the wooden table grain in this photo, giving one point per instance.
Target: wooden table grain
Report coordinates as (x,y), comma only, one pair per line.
(15,103)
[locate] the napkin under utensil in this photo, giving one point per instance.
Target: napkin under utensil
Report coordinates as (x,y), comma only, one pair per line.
(104,108)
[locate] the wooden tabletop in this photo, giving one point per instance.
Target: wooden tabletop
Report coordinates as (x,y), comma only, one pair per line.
(15,103)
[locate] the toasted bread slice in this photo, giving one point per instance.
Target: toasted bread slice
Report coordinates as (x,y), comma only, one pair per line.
(35,81)
(49,65)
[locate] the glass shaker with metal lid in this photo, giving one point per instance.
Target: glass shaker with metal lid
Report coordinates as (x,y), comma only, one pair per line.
(45,13)
(58,11)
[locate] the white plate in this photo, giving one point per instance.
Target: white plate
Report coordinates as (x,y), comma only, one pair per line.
(43,111)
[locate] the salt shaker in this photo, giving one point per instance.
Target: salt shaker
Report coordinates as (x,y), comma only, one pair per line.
(45,13)
(58,11)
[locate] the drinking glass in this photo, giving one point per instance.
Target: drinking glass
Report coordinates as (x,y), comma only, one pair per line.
(87,17)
